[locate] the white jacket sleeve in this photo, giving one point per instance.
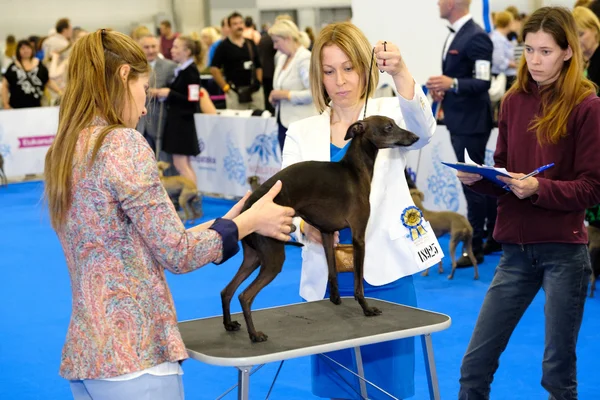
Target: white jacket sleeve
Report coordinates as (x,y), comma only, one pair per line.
(304,96)
(418,117)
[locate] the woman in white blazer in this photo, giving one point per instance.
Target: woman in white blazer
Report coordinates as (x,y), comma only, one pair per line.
(339,72)
(291,86)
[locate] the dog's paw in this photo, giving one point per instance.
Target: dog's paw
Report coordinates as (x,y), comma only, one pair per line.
(371,311)
(337,300)
(258,337)
(425,273)
(476,277)
(450,277)
(232,326)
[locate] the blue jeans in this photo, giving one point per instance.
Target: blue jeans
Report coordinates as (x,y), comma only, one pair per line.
(145,387)
(563,270)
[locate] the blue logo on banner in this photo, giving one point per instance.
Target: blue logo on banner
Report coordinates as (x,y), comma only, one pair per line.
(265,146)
(234,163)
(201,145)
(443,184)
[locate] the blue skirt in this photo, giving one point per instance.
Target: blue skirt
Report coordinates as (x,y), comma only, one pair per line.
(389,365)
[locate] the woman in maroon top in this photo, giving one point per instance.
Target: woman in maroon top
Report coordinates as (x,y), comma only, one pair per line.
(550,115)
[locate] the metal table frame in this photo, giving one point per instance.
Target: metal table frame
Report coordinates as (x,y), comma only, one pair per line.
(245,365)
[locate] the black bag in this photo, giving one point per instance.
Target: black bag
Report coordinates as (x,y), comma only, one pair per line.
(244,94)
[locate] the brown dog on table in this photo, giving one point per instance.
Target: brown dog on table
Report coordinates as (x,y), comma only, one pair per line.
(337,199)
(182,186)
(443,222)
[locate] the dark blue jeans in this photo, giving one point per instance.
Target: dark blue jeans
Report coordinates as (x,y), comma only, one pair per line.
(563,270)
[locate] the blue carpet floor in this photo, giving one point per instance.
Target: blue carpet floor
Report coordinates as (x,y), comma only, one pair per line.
(35,303)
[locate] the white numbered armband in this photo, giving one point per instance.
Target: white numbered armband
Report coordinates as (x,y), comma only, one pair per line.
(483,70)
(193,92)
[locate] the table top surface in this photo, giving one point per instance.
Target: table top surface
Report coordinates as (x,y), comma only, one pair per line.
(304,329)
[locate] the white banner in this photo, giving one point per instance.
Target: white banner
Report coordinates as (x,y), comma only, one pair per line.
(232,149)
(25,135)
(439,184)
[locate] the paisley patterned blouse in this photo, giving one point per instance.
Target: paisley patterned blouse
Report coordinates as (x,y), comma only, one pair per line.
(120,235)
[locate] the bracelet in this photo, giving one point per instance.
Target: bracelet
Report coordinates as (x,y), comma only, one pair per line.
(226,88)
(302,226)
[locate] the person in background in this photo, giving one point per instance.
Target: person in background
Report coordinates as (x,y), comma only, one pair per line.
(250,31)
(167,37)
(550,115)
(120,233)
(291,84)
(162,71)
(340,68)
(139,32)
(588,29)
(25,80)
(462,90)
(239,59)
(184,97)
(224,34)
(58,41)
(209,36)
(10,51)
(503,57)
(311,37)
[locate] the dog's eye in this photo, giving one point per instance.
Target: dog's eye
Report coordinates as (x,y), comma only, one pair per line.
(389,128)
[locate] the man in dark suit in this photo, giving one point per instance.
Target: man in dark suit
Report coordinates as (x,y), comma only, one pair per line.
(163,71)
(463,93)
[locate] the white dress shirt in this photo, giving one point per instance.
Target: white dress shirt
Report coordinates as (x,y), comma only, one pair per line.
(459,23)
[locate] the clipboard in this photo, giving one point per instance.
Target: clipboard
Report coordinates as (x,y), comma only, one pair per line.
(489,173)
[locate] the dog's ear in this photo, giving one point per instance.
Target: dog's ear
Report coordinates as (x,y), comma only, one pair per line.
(357,128)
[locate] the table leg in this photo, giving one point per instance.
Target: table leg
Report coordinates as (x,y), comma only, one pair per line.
(432,381)
(361,372)
(244,383)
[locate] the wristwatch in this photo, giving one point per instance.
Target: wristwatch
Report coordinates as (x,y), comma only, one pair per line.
(454,86)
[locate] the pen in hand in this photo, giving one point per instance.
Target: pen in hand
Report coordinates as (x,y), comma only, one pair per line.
(533,173)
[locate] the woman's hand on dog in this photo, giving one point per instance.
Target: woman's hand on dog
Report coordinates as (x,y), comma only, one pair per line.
(267,218)
(312,234)
(467,178)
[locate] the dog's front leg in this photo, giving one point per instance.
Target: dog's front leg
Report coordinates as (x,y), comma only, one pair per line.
(334,291)
(359,291)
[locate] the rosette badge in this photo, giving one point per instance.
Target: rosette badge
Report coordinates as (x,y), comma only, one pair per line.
(412,219)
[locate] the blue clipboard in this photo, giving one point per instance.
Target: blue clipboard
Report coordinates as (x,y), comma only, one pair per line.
(488,173)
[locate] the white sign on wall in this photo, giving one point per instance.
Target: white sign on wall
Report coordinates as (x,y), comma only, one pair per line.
(25,135)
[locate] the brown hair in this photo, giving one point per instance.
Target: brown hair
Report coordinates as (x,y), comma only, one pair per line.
(355,44)
(94,65)
(23,43)
(503,19)
(62,24)
(196,48)
(569,89)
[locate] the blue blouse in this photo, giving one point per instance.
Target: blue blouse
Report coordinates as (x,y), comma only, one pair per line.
(336,154)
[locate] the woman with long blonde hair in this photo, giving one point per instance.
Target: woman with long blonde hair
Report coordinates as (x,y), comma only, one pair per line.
(119,230)
(549,125)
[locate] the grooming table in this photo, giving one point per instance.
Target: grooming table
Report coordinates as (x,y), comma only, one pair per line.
(310,328)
